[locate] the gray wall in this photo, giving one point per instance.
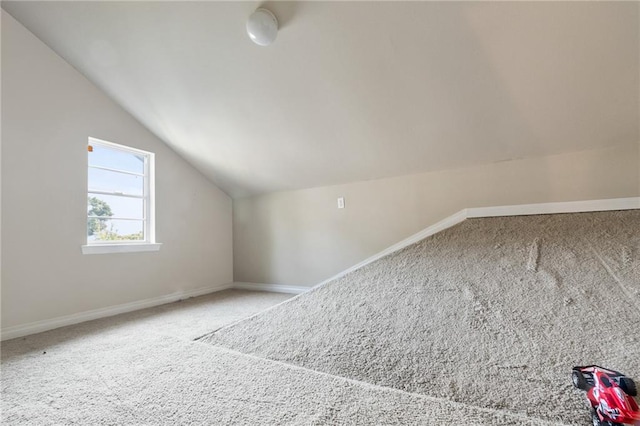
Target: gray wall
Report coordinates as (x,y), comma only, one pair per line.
(48,112)
(301,238)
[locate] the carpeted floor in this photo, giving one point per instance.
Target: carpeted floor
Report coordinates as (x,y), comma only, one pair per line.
(492,313)
(144,368)
(478,325)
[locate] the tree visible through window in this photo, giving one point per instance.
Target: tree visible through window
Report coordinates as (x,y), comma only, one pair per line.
(119,200)
(99,208)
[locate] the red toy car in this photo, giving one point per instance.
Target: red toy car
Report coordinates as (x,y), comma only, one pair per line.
(610,394)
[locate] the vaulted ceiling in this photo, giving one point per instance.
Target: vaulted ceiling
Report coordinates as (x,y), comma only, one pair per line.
(357,90)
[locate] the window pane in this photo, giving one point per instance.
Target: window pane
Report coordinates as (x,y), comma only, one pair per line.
(116,206)
(105,180)
(116,159)
(115,230)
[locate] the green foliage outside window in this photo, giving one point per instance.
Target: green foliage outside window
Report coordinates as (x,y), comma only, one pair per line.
(98,227)
(98,208)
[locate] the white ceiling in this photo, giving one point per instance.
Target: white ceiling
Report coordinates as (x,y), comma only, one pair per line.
(357,90)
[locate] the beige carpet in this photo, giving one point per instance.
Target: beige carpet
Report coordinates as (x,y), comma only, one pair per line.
(492,313)
(143,369)
(478,325)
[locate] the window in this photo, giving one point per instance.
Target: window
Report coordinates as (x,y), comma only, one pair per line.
(120,199)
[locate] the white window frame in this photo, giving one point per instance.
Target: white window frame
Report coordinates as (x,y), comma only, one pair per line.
(149,243)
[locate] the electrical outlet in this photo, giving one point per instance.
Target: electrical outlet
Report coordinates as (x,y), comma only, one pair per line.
(341,203)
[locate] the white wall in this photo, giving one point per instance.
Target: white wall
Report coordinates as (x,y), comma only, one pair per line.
(300,237)
(48,112)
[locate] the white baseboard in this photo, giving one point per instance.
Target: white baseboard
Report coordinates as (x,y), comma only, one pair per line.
(45,325)
(554,208)
(515,210)
(433,229)
(448,222)
(275,288)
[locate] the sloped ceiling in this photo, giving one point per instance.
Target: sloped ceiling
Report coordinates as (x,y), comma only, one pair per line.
(357,90)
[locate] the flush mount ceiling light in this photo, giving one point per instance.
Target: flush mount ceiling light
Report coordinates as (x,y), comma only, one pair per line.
(262,27)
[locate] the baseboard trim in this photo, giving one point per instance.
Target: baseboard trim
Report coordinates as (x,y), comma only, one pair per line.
(431,230)
(514,210)
(274,288)
(46,325)
(478,212)
(555,208)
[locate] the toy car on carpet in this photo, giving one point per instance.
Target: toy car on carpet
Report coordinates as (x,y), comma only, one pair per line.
(610,393)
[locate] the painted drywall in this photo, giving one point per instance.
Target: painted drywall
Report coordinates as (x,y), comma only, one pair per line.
(301,238)
(353,91)
(48,112)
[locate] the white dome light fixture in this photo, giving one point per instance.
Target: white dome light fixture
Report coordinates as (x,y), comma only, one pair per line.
(262,27)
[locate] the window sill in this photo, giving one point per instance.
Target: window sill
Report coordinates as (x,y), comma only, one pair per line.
(120,248)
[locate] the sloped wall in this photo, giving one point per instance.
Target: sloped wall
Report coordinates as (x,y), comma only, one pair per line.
(300,238)
(48,112)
